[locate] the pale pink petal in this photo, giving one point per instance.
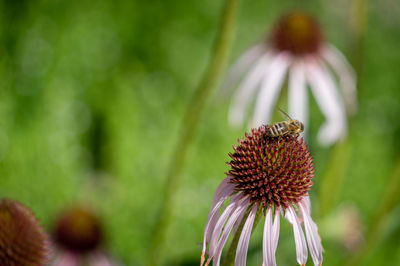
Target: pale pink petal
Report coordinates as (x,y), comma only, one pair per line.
(99,259)
(240,208)
(243,244)
(241,66)
(238,222)
(301,246)
(297,96)
(65,259)
(268,240)
(306,203)
(236,200)
(329,101)
(273,78)
(345,73)
(224,190)
(247,90)
(275,229)
(313,239)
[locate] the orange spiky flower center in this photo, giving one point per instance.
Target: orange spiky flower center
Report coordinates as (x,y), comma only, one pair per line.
(78,230)
(297,33)
(272,171)
(22,240)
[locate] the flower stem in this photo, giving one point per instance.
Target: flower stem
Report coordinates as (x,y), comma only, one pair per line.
(334,176)
(189,124)
(377,228)
(229,259)
(358,26)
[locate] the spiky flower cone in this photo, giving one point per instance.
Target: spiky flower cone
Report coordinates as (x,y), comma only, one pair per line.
(78,230)
(273,171)
(22,240)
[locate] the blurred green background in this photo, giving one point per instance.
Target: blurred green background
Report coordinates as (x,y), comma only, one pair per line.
(92,94)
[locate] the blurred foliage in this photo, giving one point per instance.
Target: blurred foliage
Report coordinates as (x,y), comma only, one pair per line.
(92,94)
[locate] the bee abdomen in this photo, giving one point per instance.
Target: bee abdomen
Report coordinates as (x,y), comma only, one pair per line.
(278,129)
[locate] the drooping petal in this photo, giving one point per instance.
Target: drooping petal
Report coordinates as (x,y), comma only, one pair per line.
(268,240)
(273,78)
(297,97)
(240,208)
(247,90)
(275,229)
(301,246)
(241,66)
(243,244)
(220,224)
(329,101)
(313,239)
(306,203)
(224,190)
(345,73)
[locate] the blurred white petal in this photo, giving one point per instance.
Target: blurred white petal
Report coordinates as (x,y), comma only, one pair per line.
(297,96)
(273,78)
(240,67)
(345,73)
(329,101)
(247,90)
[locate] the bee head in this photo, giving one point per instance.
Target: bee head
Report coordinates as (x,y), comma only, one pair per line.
(296,126)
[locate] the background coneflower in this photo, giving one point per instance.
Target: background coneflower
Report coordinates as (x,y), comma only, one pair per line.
(78,237)
(296,46)
(22,240)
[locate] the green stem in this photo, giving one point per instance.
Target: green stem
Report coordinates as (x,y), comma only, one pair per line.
(189,124)
(231,253)
(332,181)
(377,228)
(358,26)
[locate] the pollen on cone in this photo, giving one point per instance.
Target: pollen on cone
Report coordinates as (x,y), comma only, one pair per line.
(22,240)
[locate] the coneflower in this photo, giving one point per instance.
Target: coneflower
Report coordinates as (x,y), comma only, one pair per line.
(296,48)
(22,240)
(78,237)
(273,174)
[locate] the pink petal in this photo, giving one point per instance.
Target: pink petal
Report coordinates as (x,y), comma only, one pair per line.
(329,101)
(247,90)
(241,251)
(301,246)
(345,73)
(313,239)
(241,66)
(268,240)
(273,78)
(240,208)
(297,96)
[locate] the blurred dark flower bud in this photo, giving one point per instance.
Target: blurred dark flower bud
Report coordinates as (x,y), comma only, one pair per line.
(78,230)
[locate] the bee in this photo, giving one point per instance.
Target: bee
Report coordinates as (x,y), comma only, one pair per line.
(291,127)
